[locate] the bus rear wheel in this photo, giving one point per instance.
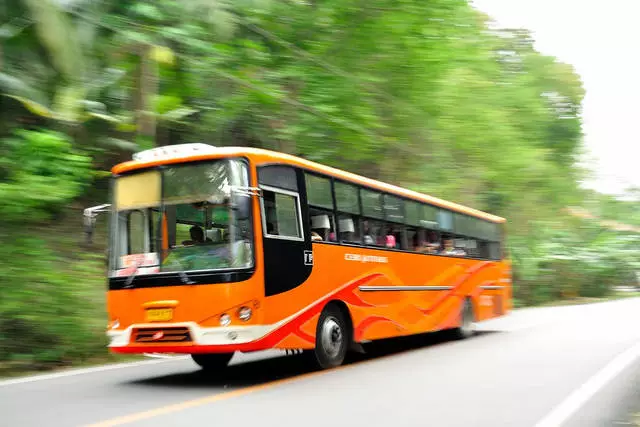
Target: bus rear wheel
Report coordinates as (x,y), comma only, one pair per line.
(212,361)
(467,321)
(332,338)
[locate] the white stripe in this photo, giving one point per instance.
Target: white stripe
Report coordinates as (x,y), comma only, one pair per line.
(579,397)
(84,371)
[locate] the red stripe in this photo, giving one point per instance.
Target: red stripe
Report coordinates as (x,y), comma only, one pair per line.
(366,323)
(268,341)
(461,281)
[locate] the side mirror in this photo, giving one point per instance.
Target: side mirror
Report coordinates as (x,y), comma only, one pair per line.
(243,206)
(89,216)
(241,200)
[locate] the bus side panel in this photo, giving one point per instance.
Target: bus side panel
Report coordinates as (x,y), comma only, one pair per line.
(364,278)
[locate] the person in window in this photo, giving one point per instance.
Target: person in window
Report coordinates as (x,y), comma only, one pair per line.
(315,237)
(449,249)
(390,239)
(271,229)
(367,238)
(433,244)
(197,236)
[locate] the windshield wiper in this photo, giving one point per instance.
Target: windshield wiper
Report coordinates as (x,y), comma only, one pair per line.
(181,272)
(129,281)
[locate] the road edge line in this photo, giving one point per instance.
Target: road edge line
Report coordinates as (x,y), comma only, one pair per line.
(574,401)
(84,371)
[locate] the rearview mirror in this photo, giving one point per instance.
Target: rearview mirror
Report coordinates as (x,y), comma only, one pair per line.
(242,206)
(241,200)
(89,219)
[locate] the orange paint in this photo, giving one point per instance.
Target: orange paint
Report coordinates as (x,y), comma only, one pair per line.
(292,316)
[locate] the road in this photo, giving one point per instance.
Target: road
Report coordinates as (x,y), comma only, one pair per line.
(543,367)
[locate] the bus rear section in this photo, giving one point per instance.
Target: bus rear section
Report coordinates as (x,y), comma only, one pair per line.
(341,267)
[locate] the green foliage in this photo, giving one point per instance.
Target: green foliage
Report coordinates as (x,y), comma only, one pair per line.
(419,93)
(586,261)
(40,172)
(51,306)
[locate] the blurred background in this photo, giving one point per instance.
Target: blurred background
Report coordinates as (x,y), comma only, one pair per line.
(430,95)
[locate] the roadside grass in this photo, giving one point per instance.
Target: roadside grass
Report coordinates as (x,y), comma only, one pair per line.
(18,369)
(616,295)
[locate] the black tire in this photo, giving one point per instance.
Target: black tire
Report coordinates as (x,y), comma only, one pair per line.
(212,361)
(467,327)
(332,338)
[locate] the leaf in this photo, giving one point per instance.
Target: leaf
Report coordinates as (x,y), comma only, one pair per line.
(119,144)
(178,114)
(147,11)
(15,86)
(13,28)
(68,103)
(105,117)
(57,34)
(162,55)
(34,107)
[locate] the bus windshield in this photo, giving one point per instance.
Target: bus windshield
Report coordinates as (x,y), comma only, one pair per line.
(181,218)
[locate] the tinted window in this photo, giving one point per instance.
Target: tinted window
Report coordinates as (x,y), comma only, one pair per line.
(278,176)
(429,217)
(445,220)
(393,209)
(319,191)
(371,204)
(413,213)
(347,198)
(281,214)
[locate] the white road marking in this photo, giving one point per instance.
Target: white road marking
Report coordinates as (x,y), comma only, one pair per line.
(84,371)
(580,396)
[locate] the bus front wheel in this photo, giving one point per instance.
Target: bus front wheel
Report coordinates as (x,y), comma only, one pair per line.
(332,338)
(212,361)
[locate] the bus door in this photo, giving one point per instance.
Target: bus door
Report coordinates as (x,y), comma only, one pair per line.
(288,259)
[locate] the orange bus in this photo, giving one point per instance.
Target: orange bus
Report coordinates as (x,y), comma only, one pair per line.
(217,250)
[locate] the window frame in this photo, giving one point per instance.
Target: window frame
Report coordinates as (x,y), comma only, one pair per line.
(298,205)
(422,207)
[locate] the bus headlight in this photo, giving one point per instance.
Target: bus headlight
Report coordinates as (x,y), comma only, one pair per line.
(225,320)
(244,313)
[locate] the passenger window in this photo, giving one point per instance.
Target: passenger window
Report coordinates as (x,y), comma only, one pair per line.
(347,198)
(371,204)
(322,225)
(281,215)
(349,229)
(319,191)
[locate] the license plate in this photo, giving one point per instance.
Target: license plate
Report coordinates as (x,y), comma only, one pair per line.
(159,314)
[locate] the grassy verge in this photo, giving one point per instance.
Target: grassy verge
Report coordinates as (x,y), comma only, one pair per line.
(17,369)
(584,300)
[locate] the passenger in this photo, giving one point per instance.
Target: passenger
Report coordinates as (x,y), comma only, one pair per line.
(433,243)
(367,238)
(449,249)
(197,236)
(390,239)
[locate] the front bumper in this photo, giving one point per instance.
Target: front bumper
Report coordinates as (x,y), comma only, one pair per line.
(156,338)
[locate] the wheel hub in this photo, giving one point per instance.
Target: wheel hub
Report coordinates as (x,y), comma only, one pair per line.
(332,337)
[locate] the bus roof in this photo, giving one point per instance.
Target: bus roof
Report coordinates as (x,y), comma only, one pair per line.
(197,152)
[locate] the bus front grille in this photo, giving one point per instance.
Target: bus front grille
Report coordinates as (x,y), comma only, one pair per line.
(155,335)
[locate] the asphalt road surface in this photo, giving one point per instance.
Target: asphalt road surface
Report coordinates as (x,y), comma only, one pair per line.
(569,366)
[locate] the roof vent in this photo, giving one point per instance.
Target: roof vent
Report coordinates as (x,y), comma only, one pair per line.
(173,151)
